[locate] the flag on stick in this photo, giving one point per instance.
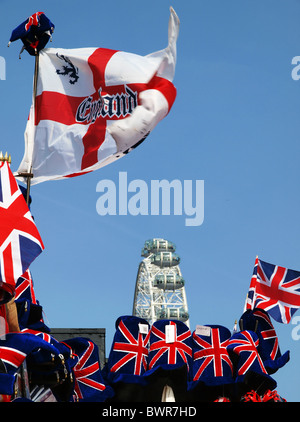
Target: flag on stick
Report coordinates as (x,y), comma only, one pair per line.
(275,289)
(94,105)
(20,241)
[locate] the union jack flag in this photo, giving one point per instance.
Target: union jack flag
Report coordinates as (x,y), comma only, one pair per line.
(212,355)
(134,349)
(20,241)
(244,344)
(24,287)
(275,289)
(176,352)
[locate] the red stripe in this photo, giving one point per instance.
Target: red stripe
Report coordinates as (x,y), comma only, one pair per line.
(12,356)
(57,107)
(95,135)
(165,87)
(8,267)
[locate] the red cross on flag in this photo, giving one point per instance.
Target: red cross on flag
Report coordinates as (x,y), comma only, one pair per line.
(94,105)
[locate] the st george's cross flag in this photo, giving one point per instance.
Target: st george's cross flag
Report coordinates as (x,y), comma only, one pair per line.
(20,241)
(94,105)
(275,289)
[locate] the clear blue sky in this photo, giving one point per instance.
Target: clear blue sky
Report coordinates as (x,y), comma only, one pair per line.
(235,124)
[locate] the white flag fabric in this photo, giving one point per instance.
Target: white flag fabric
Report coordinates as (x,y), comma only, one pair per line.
(94,105)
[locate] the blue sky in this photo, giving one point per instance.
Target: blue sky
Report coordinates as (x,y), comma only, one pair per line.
(235,124)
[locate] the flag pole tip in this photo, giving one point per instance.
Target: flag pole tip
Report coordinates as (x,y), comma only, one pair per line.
(5,157)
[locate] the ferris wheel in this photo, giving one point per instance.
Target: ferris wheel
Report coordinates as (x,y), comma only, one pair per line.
(159,289)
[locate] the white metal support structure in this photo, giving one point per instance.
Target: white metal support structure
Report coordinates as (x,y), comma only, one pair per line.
(159,289)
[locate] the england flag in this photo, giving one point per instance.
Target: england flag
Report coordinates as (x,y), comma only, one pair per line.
(94,105)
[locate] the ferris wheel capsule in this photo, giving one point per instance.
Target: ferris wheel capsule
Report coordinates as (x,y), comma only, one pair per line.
(160,288)
(157,245)
(165,259)
(168,281)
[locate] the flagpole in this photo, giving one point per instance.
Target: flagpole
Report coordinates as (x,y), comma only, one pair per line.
(35,79)
(29,175)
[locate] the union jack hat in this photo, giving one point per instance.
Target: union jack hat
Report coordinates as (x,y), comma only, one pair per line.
(127,360)
(170,358)
(259,321)
(34,32)
(212,371)
(89,384)
(249,370)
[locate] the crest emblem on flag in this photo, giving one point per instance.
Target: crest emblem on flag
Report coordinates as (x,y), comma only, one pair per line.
(68,69)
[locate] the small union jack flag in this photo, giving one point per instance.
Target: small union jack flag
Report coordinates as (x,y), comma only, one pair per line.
(175,351)
(20,241)
(275,289)
(131,344)
(211,358)
(24,287)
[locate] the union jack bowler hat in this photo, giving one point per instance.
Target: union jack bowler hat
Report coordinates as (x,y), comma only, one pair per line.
(170,358)
(259,321)
(34,32)
(212,370)
(127,360)
(249,370)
